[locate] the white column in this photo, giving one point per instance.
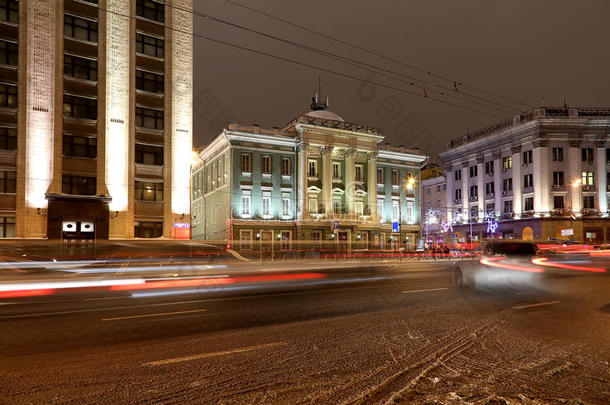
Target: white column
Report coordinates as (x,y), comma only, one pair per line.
(497,185)
(541,177)
(517,192)
(302,211)
(481,189)
(465,190)
(450,193)
(574,173)
(327,178)
(350,168)
(602,179)
(372,186)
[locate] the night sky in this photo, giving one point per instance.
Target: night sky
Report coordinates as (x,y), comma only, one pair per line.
(521,49)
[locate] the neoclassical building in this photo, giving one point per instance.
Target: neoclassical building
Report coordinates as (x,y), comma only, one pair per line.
(543,175)
(319,178)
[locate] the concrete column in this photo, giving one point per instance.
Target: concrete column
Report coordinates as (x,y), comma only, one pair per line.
(465,190)
(350,169)
(327,178)
(574,173)
(497,184)
(372,186)
(302,209)
(481,189)
(450,194)
(517,187)
(602,179)
(541,177)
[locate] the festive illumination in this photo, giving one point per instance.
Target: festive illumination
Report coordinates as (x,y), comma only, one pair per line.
(40,101)
(117,104)
(446,226)
(182,105)
(492,224)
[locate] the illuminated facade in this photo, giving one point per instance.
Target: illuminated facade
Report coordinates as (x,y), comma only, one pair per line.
(543,175)
(94,147)
(317,179)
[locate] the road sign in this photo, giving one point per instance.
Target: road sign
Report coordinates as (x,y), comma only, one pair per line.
(567,232)
(395,226)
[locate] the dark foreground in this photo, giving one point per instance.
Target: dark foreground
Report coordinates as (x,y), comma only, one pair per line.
(412,340)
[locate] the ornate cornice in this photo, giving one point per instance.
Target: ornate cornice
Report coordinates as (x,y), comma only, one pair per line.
(515,149)
(302,146)
(349,153)
(540,143)
(327,149)
(574,143)
(373,155)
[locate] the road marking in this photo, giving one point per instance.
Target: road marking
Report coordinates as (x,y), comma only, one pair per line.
(213,354)
(96,309)
(152,315)
(536,305)
(425,290)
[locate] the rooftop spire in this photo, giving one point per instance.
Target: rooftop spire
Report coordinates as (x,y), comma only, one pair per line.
(316,104)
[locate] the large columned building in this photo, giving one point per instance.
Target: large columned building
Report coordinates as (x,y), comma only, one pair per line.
(542,175)
(95,118)
(317,179)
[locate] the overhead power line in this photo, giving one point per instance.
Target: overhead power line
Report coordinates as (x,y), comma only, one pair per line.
(226,43)
(374,53)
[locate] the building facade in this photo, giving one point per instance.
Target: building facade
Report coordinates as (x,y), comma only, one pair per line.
(433,197)
(542,175)
(318,179)
(95,118)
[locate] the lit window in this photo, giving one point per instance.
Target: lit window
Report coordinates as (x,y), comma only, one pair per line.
(313,205)
(266,204)
(245,204)
(587,178)
(395,210)
(266,164)
(380,205)
(246,163)
(286,166)
(359,207)
(312,169)
(286,206)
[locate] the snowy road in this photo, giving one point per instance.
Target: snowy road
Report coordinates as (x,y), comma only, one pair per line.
(413,339)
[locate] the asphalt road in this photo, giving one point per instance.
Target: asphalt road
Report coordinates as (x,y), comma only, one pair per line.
(412,338)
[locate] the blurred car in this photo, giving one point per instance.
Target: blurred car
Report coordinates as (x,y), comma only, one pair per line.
(502,263)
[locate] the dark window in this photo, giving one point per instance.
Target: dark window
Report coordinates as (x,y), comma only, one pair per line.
(80,68)
(91,1)
(149,155)
(149,118)
(80,28)
(507,185)
(7,227)
(9,53)
(558,202)
(607,155)
(145,229)
(508,207)
(8,181)
(80,107)
(78,185)
(558,178)
(529,204)
(587,154)
(150,46)
(474,191)
(8,95)
(458,194)
(148,191)
(151,10)
(528,180)
(79,146)
(557,154)
(527,157)
(588,202)
(473,171)
(458,175)
(9,11)
(8,138)
(148,81)
(489,168)
(489,188)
